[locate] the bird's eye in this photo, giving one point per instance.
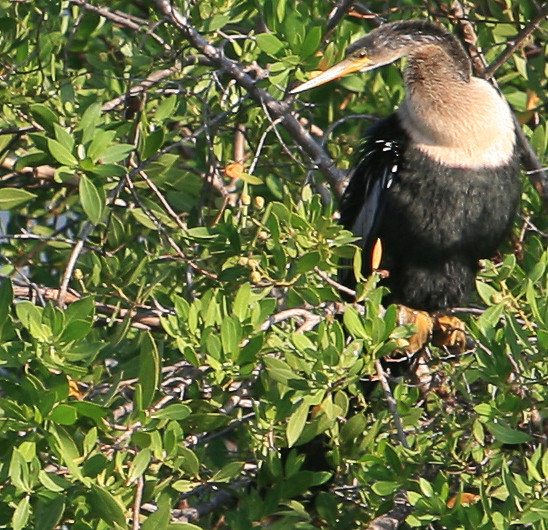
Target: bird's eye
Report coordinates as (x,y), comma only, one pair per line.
(361,54)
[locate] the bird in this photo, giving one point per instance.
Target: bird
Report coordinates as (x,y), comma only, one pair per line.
(436,184)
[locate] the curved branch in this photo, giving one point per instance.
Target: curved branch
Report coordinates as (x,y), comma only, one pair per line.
(277,109)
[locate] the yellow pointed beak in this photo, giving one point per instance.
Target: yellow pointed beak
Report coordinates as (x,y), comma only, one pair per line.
(345,67)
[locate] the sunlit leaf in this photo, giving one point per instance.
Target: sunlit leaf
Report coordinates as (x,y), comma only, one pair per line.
(13,197)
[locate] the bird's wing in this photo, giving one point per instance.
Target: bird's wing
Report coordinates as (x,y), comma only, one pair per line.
(364,199)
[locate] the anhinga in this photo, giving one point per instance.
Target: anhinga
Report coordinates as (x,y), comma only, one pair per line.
(437,182)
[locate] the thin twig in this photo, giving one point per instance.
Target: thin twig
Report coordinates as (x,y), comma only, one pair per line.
(339,286)
(73,259)
(143,86)
(139,487)
(392,405)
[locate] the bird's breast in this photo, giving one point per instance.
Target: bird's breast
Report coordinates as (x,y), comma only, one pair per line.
(440,209)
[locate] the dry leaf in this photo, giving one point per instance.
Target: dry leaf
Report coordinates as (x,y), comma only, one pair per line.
(234,170)
(465,498)
(376,255)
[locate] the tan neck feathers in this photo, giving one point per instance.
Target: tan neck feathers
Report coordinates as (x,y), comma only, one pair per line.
(458,123)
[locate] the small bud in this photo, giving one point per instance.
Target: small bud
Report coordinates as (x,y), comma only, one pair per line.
(497,298)
(253,263)
(258,202)
(255,276)
(263,235)
(245,199)
(243,261)
(78,275)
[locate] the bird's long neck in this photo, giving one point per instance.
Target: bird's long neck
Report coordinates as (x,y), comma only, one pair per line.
(454,118)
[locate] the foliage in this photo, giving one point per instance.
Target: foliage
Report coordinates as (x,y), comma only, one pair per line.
(199,352)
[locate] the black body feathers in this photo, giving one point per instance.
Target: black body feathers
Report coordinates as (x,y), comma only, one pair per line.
(435,222)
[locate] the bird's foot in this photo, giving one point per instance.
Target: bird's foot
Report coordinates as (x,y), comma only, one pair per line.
(443,330)
(450,332)
(425,326)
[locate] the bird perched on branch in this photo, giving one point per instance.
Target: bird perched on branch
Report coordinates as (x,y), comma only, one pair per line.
(437,182)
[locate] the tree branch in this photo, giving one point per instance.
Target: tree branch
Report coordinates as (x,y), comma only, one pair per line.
(276,109)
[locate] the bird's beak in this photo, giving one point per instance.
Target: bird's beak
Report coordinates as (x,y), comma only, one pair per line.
(346,66)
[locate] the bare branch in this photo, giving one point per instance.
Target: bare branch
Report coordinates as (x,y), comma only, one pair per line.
(139,487)
(392,405)
(276,109)
(143,86)
(516,43)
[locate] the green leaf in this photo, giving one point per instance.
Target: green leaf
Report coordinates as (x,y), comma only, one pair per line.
(13,197)
(308,262)
(190,462)
(101,140)
(107,507)
(63,137)
(159,520)
(486,292)
(385,488)
(6,299)
(230,334)
(426,487)
(280,10)
(296,424)
(44,116)
(149,372)
(201,232)
(311,41)
(116,153)
(354,323)
(21,514)
(90,119)
(280,371)
(544,464)
(241,303)
(165,109)
(177,411)
(50,481)
(19,471)
(215,22)
(61,153)
(76,330)
(93,202)
(139,465)
(67,450)
(228,472)
(64,414)
(48,514)
(31,317)
(250,179)
(152,143)
(506,435)
(353,428)
(269,43)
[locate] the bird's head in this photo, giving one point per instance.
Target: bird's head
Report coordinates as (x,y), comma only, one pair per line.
(387,44)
